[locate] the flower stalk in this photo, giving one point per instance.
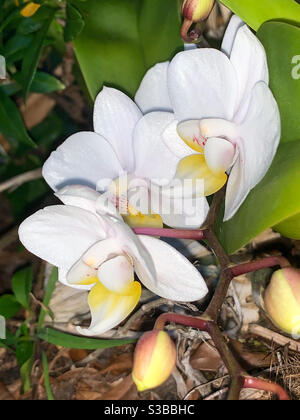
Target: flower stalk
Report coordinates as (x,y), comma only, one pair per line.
(209,320)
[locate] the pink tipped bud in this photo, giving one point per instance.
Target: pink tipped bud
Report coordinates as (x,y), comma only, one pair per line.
(282,300)
(154,360)
(196,10)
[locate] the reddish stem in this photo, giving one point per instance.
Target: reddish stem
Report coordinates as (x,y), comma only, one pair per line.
(257,265)
(190,321)
(171,233)
(257,383)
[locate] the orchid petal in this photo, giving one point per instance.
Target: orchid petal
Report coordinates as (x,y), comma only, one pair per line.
(178,279)
(81,274)
(202,84)
(79,196)
(151,153)
(152,95)
(105,207)
(109,309)
(219,154)
(144,220)
(191,134)
(117,274)
(61,234)
(260,135)
(198,178)
(186,213)
(234,25)
(83,158)
(250,62)
(98,253)
(174,142)
(115,116)
(132,246)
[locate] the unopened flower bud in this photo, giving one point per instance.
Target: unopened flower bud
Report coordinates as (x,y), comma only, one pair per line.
(196,10)
(282,300)
(154,360)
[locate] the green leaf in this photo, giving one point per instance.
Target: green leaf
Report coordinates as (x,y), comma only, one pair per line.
(282,42)
(42,82)
(48,293)
(272,201)
(74,23)
(256,12)
(11,123)
(24,351)
(21,286)
(75,342)
(33,53)
(46,377)
(9,306)
(25,373)
(123,38)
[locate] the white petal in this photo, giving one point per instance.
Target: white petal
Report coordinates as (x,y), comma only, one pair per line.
(109,309)
(61,234)
(80,274)
(202,84)
(250,62)
(115,116)
(219,154)
(174,142)
(79,196)
(116,274)
(105,207)
(84,158)
(154,160)
(186,213)
(178,279)
(260,135)
(152,95)
(234,24)
(99,252)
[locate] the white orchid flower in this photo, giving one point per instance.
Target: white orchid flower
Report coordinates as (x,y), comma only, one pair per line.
(126,145)
(225,112)
(100,253)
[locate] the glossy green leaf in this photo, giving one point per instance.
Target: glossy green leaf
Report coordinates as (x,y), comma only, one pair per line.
(256,12)
(42,82)
(76,342)
(74,23)
(33,53)
(11,123)
(272,201)
(21,286)
(282,44)
(123,38)
(9,306)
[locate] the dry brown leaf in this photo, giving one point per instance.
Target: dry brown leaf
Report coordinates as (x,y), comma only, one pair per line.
(206,357)
(121,390)
(119,364)
(77,354)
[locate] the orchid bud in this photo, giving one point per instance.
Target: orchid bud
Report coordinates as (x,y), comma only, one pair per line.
(154,360)
(196,10)
(282,300)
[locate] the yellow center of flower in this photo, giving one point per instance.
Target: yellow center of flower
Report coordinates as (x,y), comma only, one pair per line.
(214,157)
